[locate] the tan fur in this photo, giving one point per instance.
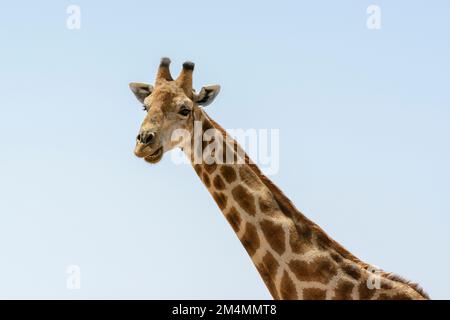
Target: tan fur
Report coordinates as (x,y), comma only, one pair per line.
(295,258)
(289,209)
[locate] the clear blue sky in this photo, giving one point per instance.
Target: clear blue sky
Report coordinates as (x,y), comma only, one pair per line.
(364,119)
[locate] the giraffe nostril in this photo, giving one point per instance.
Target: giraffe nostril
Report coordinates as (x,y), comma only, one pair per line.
(149,138)
(146,137)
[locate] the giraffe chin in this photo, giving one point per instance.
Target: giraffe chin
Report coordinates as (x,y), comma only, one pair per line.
(155,157)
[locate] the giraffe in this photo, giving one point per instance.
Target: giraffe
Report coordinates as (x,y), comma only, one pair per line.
(295,258)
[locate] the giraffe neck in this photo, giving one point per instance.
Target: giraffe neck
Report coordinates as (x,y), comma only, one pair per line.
(295,257)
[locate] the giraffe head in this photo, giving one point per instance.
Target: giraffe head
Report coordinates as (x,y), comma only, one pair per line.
(169,105)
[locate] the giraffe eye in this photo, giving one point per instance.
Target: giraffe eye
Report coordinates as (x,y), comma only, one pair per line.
(184,111)
(144,107)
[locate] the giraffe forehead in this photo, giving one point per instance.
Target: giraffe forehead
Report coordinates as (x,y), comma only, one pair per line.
(165,96)
(161,99)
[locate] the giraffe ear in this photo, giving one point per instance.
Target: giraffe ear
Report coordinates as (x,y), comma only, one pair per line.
(141,90)
(207,95)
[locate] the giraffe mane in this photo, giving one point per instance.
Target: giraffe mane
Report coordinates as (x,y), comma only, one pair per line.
(289,209)
(417,287)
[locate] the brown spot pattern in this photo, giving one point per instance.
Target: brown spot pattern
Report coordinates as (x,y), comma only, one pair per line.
(320,270)
(364,292)
(249,177)
(396,296)
(245,200)
(210,167)
(228,173)
(267,278)
(304,231)
(297,245)
(250,239)
(218,183)
(271,263)
(351,270)
(206,180)
(267,205)
(234,219)
(401,296)
(323,241)
(198,169)
(287,288)
(206,125)
(343,290)
(220,199)
(274,234)
(314,294)
(336,257)
(385,284)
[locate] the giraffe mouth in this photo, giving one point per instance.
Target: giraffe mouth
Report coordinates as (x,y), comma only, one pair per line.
(155,156)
